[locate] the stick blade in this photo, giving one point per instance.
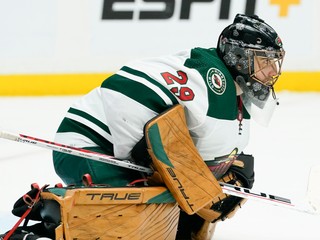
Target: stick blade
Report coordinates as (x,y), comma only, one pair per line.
(313,193)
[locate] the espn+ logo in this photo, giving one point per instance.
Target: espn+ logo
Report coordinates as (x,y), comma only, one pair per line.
(111,12)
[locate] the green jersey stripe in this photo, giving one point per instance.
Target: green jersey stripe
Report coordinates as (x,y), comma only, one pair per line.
(69,125)
(154,82)
(90,118)
(133,90)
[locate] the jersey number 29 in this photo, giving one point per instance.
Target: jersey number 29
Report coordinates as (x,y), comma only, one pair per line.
(182,92)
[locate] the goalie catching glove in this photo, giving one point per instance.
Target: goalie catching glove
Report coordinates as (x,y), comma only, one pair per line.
(240,173)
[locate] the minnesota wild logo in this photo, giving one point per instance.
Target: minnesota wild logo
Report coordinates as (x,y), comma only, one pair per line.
(216,81)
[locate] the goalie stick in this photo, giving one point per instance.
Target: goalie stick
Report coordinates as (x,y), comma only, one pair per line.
(100,157)
(311,206)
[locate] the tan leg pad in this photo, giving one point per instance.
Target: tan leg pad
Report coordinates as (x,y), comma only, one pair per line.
(178,162)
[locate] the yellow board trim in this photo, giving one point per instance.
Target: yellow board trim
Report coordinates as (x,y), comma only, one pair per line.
(299,82)
(51,84)
(79,84)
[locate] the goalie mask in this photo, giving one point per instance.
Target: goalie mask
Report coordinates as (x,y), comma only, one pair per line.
(253,53)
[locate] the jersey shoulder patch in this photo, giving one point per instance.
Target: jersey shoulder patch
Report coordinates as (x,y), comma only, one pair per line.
(216,81)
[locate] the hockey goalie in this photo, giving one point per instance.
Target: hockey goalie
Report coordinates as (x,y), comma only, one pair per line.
(180,200)
(184,115)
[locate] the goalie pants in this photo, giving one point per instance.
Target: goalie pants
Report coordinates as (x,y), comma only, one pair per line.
(72,168)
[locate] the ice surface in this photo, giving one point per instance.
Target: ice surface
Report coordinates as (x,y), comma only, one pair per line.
(284,153)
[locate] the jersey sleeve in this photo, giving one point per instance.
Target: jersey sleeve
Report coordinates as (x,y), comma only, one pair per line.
(130,99)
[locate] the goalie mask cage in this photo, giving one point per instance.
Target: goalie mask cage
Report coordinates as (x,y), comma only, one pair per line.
(113,213)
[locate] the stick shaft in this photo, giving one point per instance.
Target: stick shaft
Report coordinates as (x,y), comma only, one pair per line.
(226,188)
(242,192)
(73,151)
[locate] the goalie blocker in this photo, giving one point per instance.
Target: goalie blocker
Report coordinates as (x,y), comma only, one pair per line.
(178,162)
(188,177)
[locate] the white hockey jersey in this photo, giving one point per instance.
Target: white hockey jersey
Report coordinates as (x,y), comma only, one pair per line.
(113,115)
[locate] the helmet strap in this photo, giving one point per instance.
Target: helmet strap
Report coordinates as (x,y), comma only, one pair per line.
(274,95)
(240,113)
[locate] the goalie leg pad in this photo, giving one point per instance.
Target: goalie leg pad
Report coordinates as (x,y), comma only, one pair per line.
(127,213)
(178,162)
